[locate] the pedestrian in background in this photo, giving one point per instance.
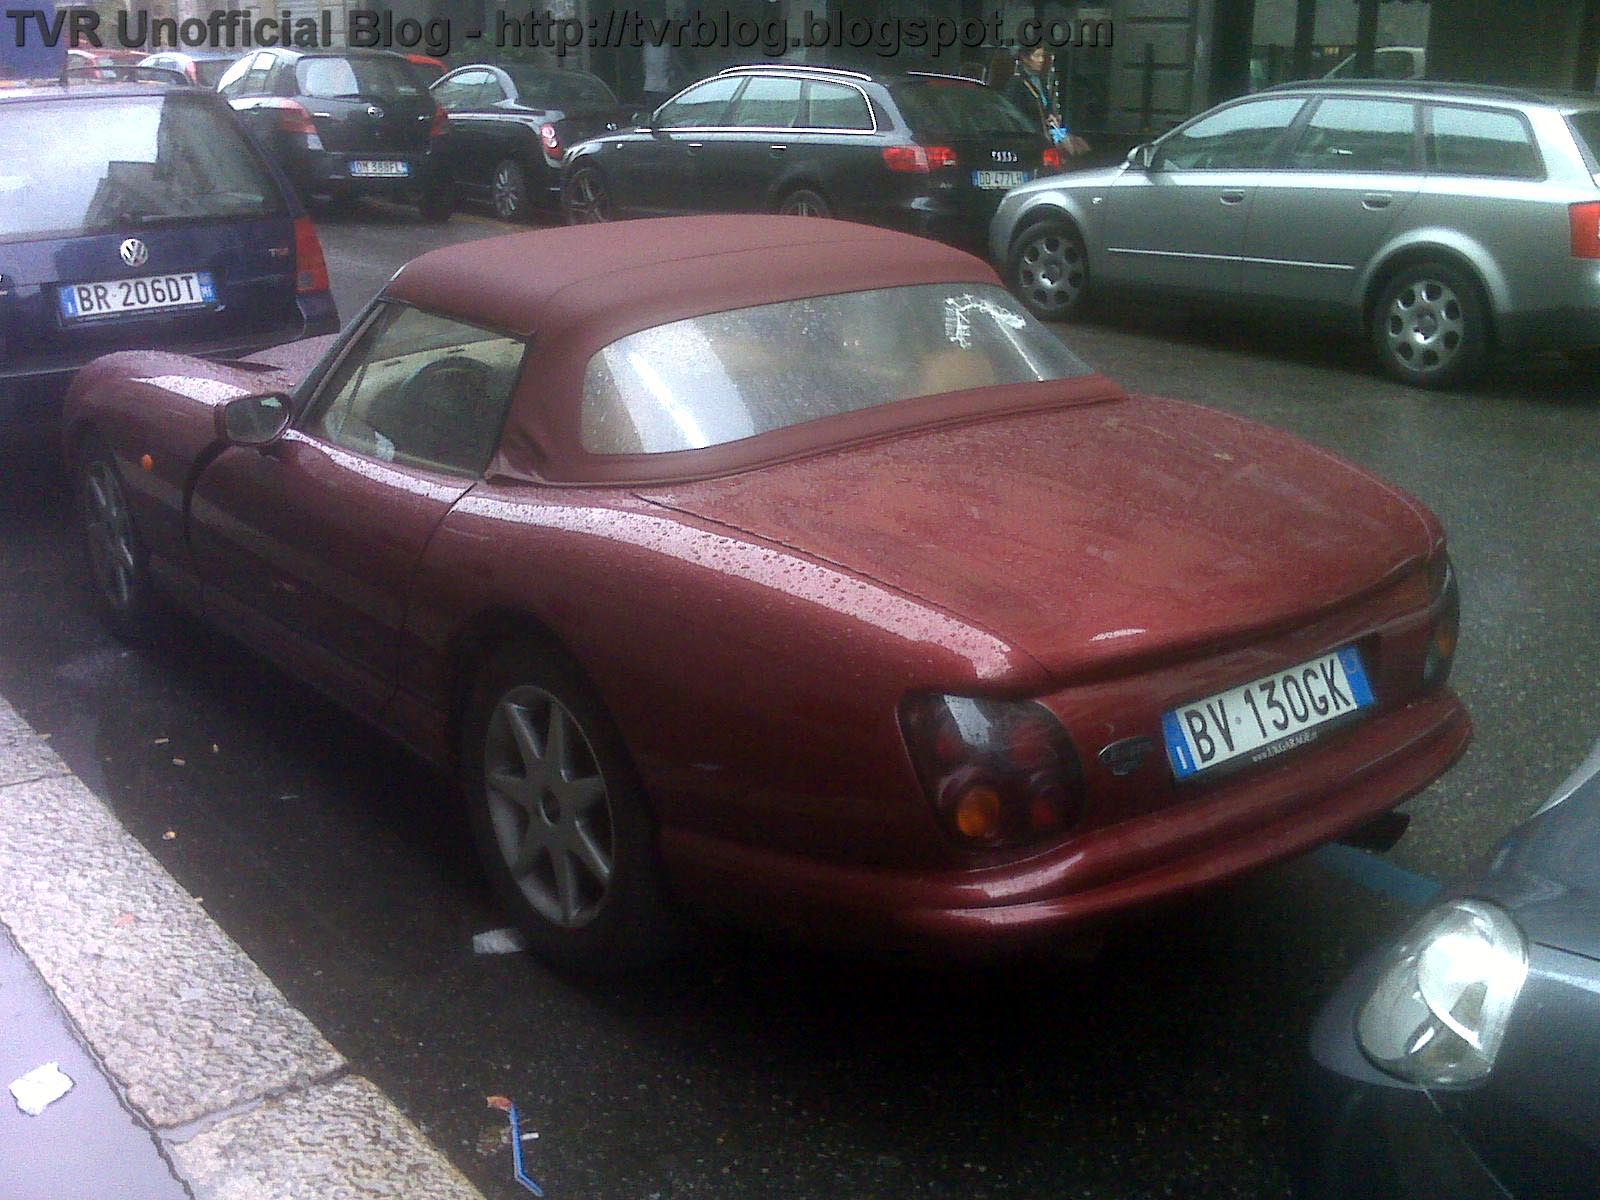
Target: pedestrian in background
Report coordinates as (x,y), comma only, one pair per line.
(1031,88)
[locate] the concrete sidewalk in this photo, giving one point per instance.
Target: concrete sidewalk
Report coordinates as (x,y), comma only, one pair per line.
(192,1072)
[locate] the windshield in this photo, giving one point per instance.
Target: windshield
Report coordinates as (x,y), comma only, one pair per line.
(566,90)
(719,378)
(331,77)
(950,108)
(93,166)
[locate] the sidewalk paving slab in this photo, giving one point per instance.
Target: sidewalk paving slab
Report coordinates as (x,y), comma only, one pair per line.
(246,1097)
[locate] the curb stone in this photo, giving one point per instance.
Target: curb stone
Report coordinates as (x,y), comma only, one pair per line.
(250,1100)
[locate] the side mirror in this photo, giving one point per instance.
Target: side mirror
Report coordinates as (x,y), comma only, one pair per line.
(1142,156)
(256,420)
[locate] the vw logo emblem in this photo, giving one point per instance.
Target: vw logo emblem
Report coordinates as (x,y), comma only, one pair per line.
(134,252)
(374,112)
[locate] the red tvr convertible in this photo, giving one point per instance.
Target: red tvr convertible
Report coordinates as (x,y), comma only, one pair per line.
(788,567)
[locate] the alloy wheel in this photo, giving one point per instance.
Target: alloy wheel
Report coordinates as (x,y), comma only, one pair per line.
(508,191)
(549,806)
(112,558)
(587,202)
(1050,270)
(1425,326)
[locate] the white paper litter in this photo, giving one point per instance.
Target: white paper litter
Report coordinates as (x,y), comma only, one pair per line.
(40,1088)
(499,941)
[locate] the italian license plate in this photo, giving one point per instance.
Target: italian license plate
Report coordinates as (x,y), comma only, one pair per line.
(188,289)
(1266,717)
(380,167)
(1000,179)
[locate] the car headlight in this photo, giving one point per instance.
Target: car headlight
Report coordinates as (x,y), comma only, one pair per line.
(1439,1011)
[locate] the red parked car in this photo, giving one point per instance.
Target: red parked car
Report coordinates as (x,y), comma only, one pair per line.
(788,567)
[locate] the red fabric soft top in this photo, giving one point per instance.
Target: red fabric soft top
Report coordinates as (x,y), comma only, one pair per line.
(573,291)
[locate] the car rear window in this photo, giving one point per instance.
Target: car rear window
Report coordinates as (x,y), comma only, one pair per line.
(567,90)
(209,71)
(715,379)
(949,108)
(333,77)
(84,166)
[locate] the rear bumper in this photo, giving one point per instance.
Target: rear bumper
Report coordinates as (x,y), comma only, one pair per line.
(327,171)
(37,383)
(1085,881)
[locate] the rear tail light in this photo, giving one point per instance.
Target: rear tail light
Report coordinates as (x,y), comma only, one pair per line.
(1585,220)
(1447,628)
(293,118)
(311,269)
(1051,161)
(997,772)
(919,160)
(551,139)
(441,122)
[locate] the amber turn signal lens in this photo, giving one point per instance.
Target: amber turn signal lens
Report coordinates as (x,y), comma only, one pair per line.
(978,812)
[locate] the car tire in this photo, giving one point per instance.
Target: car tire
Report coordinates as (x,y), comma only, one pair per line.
(570,849)
(804,202)
(119,570)
(508,190)
(1049,269)
(585,198)
(1430,326)
(437,203)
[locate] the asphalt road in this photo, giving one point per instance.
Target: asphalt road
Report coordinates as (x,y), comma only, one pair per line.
(752,1068)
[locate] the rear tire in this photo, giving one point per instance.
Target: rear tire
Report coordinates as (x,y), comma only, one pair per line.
(1430,327)
(437,204)
(119,568)
(803,202)
(559,816)
(508,189)
(1049,270)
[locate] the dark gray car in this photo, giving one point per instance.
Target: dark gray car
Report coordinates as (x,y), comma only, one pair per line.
(1461,1061)
(1440,220)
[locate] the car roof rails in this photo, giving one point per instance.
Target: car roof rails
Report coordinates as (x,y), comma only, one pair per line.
(1431,87)
(788,66)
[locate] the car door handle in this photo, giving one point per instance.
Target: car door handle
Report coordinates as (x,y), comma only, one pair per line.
(1232,197)
(695,147)
(1376,200)
(777,151)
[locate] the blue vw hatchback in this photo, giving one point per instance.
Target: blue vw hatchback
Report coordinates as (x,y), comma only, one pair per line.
(140,216)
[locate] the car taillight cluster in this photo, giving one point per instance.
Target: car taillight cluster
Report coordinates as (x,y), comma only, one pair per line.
(311,269)
(999,773)
(1051,160)
(1447,629)
(919,160)
(293,118)
(551,140)
(1585,222)
(441,123)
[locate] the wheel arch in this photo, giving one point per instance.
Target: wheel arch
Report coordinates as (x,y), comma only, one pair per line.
(801,180)
(1480,271)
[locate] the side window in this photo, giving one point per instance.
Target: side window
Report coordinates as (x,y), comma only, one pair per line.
(458,91)
(491,92)
(1240,138)
(419,390)
(1349,134)
(835,106)
(768,103)
(255,79)
(702,105)
(232,81)
(1476,141)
